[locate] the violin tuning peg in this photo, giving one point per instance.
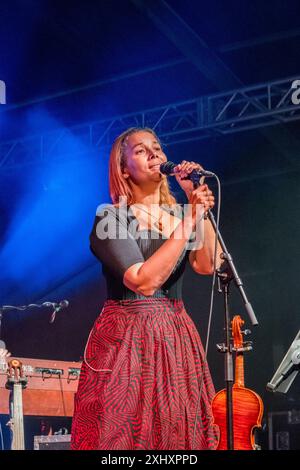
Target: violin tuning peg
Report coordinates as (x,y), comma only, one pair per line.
(247,332)
(247,345)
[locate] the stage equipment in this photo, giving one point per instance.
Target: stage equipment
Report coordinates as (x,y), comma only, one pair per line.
(287,369)
(50,390)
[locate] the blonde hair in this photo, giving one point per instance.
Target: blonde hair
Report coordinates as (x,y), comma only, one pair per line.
(118,185)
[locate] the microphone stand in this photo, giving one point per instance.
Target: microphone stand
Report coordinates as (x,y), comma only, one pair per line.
(56,306)
(232,269)
(226,273)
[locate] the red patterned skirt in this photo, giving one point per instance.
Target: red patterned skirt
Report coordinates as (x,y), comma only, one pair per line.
(140,380)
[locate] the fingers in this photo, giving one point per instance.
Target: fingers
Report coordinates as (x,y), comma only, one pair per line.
(184,168)
(202,195)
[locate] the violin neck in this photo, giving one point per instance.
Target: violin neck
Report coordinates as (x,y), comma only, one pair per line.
(239,370)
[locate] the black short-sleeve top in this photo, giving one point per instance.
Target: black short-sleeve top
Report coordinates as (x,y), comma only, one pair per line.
(118,244)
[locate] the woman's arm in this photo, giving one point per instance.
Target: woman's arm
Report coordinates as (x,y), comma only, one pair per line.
(145,278)
(122,255)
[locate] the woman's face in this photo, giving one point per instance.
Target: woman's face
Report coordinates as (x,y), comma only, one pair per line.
(143,156)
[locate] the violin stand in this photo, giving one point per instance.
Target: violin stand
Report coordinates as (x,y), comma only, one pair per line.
(224,279)
(226,273)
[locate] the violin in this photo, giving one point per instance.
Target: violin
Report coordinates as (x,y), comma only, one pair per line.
(247,404)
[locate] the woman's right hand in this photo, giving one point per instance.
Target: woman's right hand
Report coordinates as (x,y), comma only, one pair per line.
(202,195)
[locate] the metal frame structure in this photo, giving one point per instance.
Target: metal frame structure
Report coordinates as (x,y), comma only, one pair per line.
(241,109)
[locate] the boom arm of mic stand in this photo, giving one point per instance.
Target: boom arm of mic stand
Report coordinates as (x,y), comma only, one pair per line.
(235,275)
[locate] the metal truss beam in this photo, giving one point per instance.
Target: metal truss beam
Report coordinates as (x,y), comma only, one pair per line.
(251,107)
(188,42)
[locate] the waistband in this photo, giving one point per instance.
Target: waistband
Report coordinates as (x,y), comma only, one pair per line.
(143,301)
(159,294)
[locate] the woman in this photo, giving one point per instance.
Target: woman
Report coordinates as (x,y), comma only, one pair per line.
(144,369)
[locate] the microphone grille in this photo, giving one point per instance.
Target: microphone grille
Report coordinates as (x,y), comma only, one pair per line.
(167,168)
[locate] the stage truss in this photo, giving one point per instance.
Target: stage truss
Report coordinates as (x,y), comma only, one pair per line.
(219,114)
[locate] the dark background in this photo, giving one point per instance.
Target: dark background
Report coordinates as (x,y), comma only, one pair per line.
(68,63)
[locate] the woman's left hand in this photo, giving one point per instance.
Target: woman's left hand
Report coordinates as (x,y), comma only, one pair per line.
(203,195)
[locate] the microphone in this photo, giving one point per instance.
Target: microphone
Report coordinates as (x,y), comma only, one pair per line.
(195,175)
(57,307)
